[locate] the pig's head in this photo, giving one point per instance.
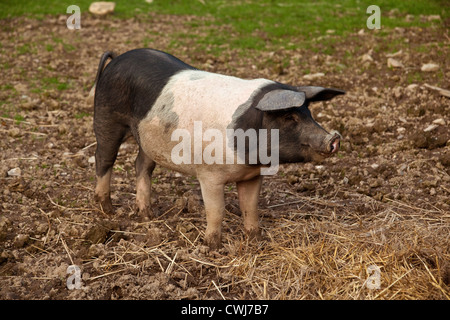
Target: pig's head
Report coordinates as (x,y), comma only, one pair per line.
(301,138)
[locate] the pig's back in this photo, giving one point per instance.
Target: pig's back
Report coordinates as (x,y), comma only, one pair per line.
(131,83)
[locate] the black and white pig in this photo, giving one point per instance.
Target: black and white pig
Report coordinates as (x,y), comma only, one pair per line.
(161,100)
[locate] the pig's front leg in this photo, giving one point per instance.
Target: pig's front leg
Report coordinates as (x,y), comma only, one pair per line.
(213,197)
(248,193)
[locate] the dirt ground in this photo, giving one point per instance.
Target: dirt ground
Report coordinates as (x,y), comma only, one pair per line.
(379,211)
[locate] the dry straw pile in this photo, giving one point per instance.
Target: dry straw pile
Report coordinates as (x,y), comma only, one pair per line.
(313,248)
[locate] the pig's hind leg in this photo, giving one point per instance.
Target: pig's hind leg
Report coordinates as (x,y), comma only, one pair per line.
(109,137)
(144,170)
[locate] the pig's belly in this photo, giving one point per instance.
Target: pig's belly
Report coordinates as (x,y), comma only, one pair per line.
(157,145)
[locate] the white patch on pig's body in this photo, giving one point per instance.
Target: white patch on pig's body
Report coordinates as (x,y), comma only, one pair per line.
(191,96)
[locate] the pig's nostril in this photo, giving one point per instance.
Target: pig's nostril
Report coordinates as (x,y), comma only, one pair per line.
(334,146)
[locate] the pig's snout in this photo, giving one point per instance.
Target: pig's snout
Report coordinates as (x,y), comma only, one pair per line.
(334,141)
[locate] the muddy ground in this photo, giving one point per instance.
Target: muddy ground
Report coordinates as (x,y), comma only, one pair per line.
(384,201)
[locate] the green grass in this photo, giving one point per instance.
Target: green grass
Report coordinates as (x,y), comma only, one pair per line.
(19,118)
(53,83)
(270,15)
(81,115)
(25,49)
(258,23)
(56,40)
(251,24)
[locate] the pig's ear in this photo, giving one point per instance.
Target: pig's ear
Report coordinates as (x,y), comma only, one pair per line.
(319,93)
(280,100)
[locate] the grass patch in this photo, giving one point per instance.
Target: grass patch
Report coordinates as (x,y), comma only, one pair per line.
(81,115)
(54,83)
(68,47)
(253,24)
(258,24)
(25,49)
(19,118)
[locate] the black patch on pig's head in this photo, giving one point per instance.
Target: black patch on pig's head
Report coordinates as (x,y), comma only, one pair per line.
(285,108)
(299,135)
(250,114)
(301,138)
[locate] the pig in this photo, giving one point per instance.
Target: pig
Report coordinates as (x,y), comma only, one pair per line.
(150,94)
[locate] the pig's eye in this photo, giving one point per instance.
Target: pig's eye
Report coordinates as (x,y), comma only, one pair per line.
(291,117)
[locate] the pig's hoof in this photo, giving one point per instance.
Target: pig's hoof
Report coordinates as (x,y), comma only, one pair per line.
(254,234)
(146,213)
(107,207)
(213,241)
(105,204)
